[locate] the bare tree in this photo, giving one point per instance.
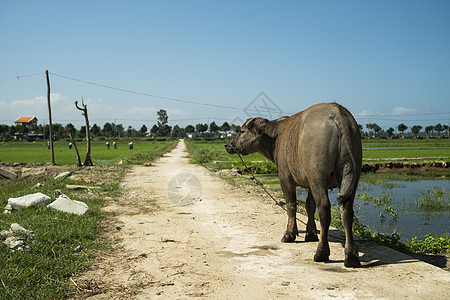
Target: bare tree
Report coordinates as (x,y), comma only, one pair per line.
(70,131)
(87,161)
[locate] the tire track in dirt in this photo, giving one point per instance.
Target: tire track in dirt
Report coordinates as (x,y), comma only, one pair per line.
(226,245)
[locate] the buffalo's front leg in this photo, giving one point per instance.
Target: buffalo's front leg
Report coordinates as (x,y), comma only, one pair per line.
(311,230)
(291,208)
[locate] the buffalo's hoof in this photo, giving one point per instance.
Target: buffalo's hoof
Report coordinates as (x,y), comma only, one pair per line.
(288,237)
(321,257)
(311,237)
(322,253)
(352,261)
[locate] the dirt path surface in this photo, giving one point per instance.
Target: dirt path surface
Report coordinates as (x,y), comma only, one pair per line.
(226,245)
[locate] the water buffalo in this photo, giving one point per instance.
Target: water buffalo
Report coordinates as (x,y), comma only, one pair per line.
(318,149)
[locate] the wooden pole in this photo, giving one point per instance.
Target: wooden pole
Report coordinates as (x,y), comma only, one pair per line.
(50,118)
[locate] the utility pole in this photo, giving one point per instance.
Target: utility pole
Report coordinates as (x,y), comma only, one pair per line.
(50,118)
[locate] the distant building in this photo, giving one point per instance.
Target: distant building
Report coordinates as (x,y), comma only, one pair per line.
(26,121)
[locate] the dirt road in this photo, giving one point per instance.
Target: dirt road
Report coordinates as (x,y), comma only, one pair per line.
(226,245)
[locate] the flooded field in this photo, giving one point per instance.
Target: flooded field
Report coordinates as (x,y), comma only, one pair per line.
(411,208)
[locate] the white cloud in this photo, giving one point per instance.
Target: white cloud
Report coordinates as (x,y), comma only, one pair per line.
(402,110)
(363,114)
(148,112)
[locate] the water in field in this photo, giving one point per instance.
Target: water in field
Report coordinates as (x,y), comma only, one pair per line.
(411,208)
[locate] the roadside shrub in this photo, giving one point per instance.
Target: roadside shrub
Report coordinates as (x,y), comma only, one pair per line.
(430,244)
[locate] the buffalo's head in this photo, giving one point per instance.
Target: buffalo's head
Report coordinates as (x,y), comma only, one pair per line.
(249,139)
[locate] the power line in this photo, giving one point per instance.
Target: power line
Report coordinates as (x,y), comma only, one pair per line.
(21,76)
(155,96)
(380,117)
(401,120)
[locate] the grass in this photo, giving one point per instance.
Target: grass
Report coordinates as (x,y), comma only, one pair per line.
(38,152)
(44,270)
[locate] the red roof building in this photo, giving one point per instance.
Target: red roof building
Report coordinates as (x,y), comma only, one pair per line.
(26,120)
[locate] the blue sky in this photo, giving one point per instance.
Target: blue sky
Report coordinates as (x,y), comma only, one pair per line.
(388,62)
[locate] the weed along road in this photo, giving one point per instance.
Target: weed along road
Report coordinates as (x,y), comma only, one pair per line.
(181,232)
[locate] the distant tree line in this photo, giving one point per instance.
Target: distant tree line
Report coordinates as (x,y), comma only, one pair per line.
(111,130)
(374,130)
(162,129)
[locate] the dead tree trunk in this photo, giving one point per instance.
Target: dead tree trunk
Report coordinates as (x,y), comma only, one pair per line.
(76,149)
(87,161)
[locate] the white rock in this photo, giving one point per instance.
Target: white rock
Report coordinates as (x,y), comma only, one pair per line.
(65,204)
(8,209)
(15,243)
(18,230)
(5,234)
(28,200)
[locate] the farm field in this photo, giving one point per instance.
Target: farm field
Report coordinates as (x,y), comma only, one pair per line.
(209,151)
(212,154)
(38,152)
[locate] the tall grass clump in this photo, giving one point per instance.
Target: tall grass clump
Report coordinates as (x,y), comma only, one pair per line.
(433,199)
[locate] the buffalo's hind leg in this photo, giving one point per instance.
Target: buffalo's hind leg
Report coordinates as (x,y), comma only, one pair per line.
(311,230)
(291,209)
(351,252)
(320,195)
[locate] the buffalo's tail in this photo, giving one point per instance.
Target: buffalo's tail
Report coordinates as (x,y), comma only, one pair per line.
(350,172)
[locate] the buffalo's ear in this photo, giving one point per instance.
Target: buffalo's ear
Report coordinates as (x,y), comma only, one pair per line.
(262,126)
(259,125)
(249,123)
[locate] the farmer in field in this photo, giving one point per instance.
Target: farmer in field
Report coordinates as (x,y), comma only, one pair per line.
(107,145)
(130,145)
(114,145)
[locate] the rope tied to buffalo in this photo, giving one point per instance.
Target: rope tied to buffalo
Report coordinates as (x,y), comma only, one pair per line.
(265,189)
(273,198)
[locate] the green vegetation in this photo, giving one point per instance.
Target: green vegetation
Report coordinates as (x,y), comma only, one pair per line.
(406,148)
(434,200)
(64,243)
(38,152)
(430,245)
(384,201)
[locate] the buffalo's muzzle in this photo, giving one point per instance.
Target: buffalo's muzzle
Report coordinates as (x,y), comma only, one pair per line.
(231,147)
